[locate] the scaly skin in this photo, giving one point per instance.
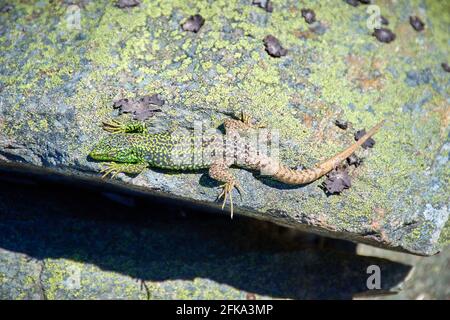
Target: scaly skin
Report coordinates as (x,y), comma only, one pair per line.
(131,149)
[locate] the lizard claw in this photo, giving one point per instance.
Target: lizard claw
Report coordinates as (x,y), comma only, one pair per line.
(110,168)
(227,189)
(114,126)
(247,120)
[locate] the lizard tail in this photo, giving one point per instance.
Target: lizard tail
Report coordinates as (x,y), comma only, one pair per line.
(290,176)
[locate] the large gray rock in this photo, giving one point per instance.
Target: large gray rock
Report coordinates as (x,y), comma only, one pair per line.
(57,246)
(62,66)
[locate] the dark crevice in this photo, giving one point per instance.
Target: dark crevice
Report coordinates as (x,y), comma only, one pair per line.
(41,282)
(154,239)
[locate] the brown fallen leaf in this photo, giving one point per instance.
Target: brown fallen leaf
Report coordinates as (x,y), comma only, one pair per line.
(193,24)
(273,47)
(127,3)
(337,180)
(369,142)
(142,108)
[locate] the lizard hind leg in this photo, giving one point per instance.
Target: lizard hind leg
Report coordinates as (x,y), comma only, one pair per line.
(220,171)
(130,126)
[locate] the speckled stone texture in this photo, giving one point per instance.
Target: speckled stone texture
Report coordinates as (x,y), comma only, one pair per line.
(63,64)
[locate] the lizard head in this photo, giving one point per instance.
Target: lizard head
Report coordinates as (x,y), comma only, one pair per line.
(117,148)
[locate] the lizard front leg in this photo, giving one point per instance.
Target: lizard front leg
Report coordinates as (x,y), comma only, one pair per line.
(233,126)
(221,172)
(114,168)
(130,126)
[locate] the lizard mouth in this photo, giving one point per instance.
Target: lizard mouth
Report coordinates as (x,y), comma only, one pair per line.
(103,156)
(95,155)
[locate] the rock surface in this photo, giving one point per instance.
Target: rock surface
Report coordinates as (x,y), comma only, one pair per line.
(62,66)
(57,246)
(428,279)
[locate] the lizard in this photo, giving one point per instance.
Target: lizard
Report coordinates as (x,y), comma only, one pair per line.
(131,148)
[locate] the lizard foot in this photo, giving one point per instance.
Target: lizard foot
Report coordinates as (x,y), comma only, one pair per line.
(227,189)
(115,168)
(115,126)
(247,120)
(112,168)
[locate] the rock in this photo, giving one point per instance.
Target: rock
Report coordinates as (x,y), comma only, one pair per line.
(416,23)
(369,143)
(428,280)
(142,108)
(341,124)
(384,20)
(445,66)
(354,160)
(309,15)
(88,247)
(274,47)
(6,8)
(337,181)
(353,3)
(264,4)
(127,3)
(416,78)
(384,35)
(58,86)
(194,23)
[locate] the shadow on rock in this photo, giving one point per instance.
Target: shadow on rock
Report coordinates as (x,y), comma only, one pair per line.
(159,242)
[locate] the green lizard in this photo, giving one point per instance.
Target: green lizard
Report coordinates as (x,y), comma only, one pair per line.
(131,149)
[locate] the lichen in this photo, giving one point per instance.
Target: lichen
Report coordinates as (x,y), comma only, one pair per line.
(341,73)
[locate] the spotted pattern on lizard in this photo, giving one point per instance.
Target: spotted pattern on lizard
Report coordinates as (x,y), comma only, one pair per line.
(131,149)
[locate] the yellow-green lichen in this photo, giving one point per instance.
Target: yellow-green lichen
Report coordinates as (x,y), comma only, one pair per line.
(343,72)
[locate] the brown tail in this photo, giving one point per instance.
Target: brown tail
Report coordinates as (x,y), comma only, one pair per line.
(289,176)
